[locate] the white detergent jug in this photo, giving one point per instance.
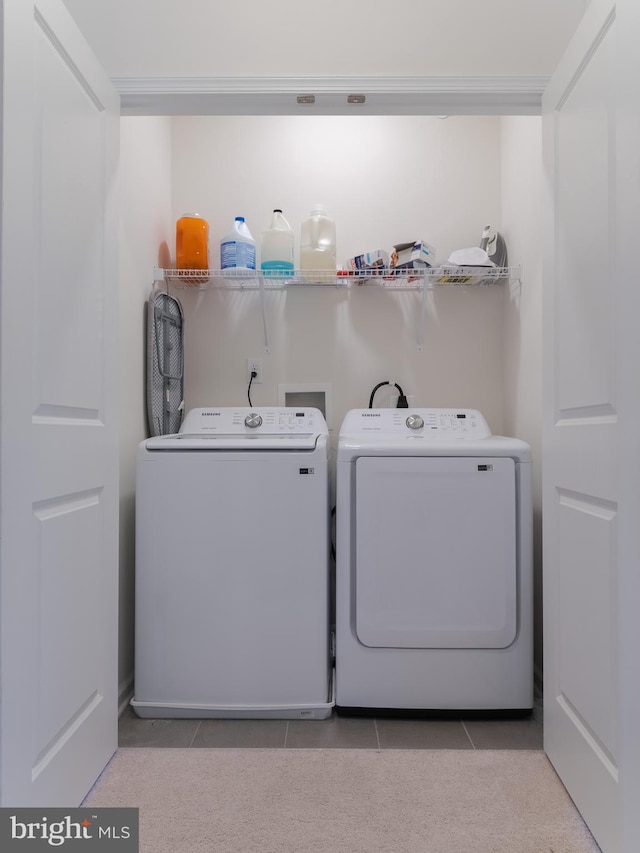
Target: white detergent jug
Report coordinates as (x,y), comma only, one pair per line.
(318,241)
(276,249)
(238,249)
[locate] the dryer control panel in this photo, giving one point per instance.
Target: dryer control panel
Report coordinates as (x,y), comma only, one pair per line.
(434,423)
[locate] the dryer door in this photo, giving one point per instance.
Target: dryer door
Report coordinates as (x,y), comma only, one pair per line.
(436,560)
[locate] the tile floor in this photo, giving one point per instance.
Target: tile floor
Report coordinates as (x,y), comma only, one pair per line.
(333,733)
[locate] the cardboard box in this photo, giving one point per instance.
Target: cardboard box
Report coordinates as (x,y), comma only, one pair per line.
(377,261)
(417,255)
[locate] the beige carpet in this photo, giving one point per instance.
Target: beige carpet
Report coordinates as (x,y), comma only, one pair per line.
(343,801)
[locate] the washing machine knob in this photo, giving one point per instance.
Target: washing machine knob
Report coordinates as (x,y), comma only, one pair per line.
(253,420)
(415,422)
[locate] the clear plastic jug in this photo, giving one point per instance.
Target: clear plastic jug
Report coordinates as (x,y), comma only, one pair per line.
(318,241)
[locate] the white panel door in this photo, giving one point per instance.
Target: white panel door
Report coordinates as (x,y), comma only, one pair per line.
(581,425)
(58,428)
(628,354)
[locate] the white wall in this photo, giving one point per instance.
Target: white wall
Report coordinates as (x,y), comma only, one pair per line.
(150,38)
(146,228)
(521,184)
(383,180)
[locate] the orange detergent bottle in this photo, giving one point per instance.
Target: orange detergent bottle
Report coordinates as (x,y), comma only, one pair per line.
(192,242)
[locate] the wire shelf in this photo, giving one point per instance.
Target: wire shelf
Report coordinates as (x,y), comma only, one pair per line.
(402,279)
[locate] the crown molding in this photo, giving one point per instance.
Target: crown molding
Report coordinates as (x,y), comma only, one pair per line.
(277,95)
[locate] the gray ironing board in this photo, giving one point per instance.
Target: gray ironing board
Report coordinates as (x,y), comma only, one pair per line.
(165,363)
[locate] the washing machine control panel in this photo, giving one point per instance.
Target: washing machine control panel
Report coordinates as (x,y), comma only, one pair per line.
(429,423)
(241,420)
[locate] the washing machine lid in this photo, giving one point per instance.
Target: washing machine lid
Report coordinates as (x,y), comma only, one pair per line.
(232,428)
(426,432)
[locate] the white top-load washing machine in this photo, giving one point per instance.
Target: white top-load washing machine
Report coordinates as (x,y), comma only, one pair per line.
(232,567)
(434,589)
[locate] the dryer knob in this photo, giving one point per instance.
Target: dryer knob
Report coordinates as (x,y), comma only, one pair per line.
(253,420)
(415,422)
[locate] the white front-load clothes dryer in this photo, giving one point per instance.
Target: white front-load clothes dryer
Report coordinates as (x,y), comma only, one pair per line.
(232,567)
(434,575)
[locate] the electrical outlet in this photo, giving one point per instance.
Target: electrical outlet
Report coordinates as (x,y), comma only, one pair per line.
(254,364)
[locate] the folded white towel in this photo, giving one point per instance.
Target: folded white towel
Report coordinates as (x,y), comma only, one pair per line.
(471,257)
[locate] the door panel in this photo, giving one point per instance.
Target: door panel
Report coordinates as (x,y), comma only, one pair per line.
(67,530)
(58,445)
(580,435)
(436,552)
(70,199)
(585,309)
(586,599)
